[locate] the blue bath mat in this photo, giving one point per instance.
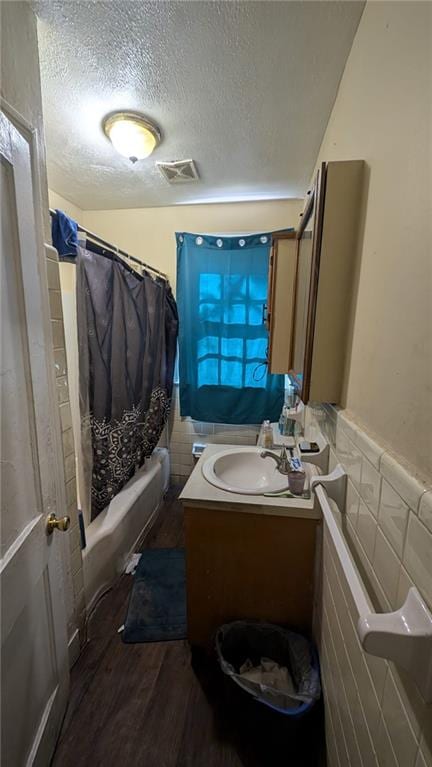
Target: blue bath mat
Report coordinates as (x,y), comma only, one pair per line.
(157,605)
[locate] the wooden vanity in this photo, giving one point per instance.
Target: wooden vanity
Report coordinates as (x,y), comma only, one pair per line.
(246,557)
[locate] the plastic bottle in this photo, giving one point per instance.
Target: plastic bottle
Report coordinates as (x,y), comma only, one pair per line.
(282,418)
(289,424)
(290,395)
(266,435)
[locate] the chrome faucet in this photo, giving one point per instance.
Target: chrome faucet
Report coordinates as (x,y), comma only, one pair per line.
(282,460)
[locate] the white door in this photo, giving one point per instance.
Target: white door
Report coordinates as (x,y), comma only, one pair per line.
(34,663)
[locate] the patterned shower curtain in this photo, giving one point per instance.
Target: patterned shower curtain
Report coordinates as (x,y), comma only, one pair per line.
(127,333)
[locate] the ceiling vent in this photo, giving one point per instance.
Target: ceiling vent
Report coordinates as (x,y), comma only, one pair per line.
(179,172)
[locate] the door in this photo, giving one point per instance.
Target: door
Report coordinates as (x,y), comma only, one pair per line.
(34,661)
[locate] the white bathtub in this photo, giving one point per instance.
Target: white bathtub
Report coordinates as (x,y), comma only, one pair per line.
(113,535)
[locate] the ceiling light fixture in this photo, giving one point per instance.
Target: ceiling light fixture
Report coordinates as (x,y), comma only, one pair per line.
(131,134)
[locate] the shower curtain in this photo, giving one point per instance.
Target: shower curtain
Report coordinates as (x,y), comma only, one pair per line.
(127,333)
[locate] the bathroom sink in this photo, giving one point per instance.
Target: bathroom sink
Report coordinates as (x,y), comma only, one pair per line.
(242,470)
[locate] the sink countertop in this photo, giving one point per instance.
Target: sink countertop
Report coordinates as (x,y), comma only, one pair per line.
(198,492)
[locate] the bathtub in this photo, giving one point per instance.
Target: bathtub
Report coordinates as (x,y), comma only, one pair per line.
(113,535)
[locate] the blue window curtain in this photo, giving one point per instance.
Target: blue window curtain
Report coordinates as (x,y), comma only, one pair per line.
(221,293)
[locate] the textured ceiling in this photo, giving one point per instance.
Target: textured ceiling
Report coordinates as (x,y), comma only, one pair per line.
(244,88)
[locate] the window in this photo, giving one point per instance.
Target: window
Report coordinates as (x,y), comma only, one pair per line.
(235,354)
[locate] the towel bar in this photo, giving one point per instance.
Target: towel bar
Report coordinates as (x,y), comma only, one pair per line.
(403,636)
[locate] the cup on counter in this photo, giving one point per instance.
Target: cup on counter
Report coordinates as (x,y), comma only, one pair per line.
(296,481)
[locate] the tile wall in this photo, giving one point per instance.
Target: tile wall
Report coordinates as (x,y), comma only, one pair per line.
(75,602)
(184,432)
(375,714)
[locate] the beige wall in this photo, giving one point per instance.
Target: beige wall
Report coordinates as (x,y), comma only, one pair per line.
(67,270)
(149,232)
(382,114)
(56,201)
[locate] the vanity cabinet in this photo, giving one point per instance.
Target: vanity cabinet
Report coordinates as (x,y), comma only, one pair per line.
(247,565)
(318,282)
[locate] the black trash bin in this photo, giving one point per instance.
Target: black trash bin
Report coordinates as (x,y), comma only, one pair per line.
(280,727)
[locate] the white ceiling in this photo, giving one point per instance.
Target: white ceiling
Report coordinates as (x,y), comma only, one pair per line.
(243,88)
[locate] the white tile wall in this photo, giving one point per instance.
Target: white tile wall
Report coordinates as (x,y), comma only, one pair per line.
(375,714)
(417,557)
(366,529)
(73,560)
(425,509)
(393,517)
(370,485)
(386,566)
(184,432)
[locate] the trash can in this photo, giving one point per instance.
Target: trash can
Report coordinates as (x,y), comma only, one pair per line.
(272,686)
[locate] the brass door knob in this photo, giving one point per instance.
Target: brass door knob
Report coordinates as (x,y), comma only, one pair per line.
(53,523)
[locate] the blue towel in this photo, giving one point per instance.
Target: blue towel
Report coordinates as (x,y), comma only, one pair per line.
(64,236)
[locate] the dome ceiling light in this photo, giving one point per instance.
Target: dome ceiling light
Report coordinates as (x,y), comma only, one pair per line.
(131,134)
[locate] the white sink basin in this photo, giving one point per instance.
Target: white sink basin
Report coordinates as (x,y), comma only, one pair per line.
(242,470)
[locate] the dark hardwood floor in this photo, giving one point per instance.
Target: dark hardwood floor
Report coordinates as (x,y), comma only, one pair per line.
(151,705)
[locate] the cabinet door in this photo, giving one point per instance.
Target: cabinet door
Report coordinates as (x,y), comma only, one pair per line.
(268,307)
(282,279)
(327,255)
(306,287)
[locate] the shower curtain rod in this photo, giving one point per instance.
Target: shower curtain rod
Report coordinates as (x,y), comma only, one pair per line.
(99,241)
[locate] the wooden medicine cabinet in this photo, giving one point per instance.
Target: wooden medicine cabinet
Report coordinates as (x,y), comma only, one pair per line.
(311,284)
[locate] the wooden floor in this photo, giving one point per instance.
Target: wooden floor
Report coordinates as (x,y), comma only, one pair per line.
(148,704)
